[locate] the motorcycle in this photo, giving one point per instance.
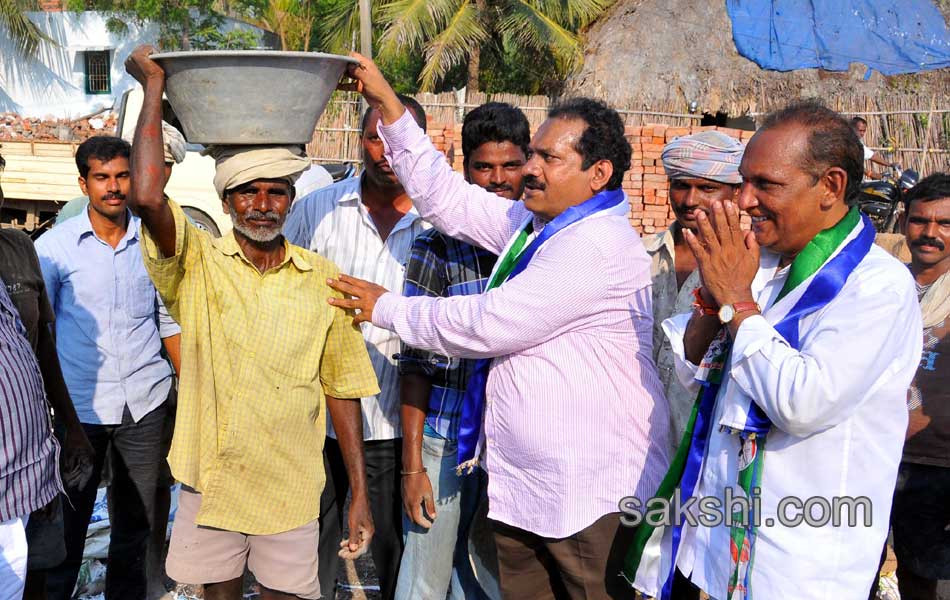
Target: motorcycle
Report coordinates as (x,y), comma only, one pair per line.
(883,199)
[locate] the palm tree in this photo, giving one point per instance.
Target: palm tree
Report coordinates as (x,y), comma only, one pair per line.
(451,32)
(291,20)
(25,34)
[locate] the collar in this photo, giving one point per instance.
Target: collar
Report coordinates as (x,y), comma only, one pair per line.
(663,239)
(350,189)
(356,193)
(84,225)
(227,244)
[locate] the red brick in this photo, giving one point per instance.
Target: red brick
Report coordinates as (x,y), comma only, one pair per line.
(674,132)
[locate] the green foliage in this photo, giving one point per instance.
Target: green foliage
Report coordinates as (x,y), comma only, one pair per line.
(210,37)
(292,20)
(507,68)
(402,71)
(338,24)
(183,24)
(518,45)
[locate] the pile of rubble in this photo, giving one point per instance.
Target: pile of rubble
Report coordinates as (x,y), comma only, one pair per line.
(15,127)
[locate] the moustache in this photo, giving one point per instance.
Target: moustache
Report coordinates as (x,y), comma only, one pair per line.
(501,187)
(927,241)
(114,196)
(532,183)
(256,215)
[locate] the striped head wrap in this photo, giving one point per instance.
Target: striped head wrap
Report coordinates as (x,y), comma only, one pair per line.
(709,154)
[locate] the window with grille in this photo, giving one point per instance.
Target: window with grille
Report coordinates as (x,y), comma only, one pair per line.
(98,78)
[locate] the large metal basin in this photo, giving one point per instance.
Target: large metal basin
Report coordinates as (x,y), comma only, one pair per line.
(250,96)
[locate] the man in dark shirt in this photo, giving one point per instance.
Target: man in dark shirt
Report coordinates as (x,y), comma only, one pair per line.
(23,281)
(921,512)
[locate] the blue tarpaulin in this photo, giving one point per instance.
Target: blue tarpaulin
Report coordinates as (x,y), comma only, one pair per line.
(890,36)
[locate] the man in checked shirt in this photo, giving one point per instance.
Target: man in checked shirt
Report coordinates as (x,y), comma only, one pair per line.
(495,139)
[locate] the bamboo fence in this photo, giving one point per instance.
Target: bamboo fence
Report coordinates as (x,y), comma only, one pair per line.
(912,131)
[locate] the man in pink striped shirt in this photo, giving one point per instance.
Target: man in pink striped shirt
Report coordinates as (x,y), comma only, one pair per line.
(574,416)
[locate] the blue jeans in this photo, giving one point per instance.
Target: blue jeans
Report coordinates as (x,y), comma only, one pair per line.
(435,563)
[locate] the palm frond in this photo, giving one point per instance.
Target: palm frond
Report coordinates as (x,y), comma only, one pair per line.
(409,23)
(454,43)
(343,22)
(26,36)
(533,29)
(571,14)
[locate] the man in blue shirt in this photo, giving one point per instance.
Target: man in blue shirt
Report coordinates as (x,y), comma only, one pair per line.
(495,139)
(110,328)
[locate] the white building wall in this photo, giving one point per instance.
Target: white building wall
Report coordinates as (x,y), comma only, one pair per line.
(53,83)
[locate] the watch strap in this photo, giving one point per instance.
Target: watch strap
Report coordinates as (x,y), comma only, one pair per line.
(741,307)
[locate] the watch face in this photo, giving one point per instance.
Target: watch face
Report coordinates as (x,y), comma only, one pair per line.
(726,312)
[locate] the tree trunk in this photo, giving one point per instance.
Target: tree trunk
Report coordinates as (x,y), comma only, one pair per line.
(475,57)
(186,32)
(473,64)
(309,29)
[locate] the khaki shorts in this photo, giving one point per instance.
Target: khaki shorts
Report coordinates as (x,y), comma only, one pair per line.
(283,562)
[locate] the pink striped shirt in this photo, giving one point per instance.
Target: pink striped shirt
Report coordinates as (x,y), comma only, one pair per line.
(575,416)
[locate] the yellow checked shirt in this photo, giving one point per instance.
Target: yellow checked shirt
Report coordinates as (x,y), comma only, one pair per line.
(258,353)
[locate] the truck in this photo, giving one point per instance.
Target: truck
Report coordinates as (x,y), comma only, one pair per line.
(41,176)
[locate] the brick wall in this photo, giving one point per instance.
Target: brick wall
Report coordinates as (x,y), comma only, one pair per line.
(645,183)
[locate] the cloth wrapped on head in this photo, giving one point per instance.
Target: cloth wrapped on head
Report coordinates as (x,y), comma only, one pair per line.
(237,165)
(173,143)
(708,154)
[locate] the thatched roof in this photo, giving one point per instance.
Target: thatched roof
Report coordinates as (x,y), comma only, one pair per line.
(663,54)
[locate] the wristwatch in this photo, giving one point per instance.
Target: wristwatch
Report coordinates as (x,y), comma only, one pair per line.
(728,312)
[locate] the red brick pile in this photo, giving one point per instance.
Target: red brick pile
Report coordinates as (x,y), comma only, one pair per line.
(645,183)
(14,127)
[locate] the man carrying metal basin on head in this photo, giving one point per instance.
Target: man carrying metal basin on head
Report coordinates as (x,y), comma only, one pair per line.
(262,362)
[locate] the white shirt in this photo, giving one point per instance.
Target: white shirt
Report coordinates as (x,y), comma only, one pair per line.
(313,179)
(868,153)
(838,408)
(334,223)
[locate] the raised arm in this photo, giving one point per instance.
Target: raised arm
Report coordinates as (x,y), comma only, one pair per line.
(147,198)
(441,195)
